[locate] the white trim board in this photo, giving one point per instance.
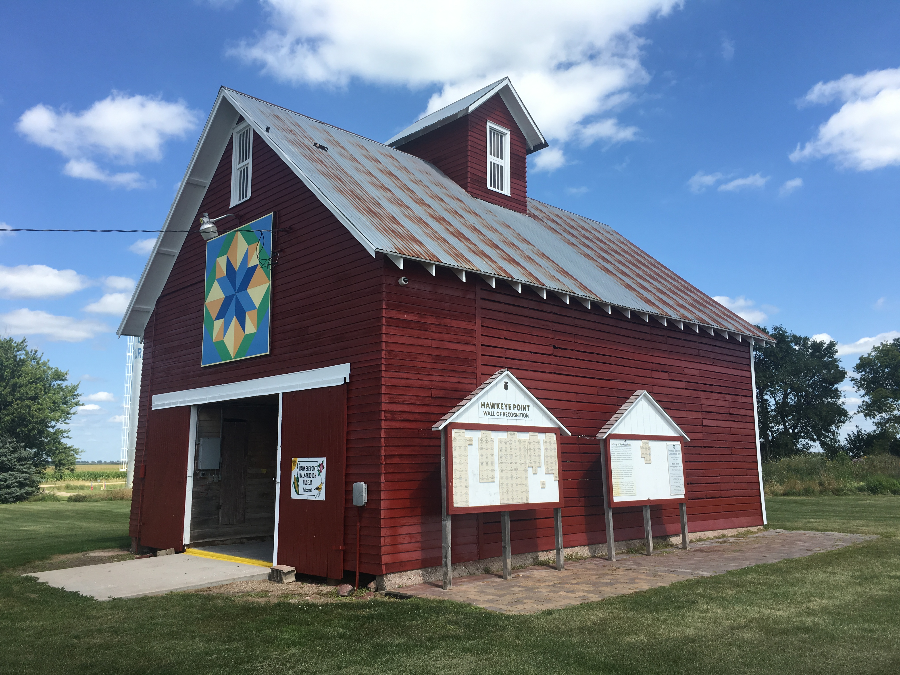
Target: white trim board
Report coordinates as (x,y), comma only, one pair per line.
(329,376)
(189,483)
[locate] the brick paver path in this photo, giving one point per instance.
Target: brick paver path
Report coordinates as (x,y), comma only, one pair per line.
(535,589)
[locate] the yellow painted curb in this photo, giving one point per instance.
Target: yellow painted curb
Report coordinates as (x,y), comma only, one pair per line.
(229,558)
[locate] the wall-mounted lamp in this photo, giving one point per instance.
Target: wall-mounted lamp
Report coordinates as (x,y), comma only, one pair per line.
(207,226)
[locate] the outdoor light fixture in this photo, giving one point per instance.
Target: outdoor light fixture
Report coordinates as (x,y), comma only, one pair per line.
(207,226)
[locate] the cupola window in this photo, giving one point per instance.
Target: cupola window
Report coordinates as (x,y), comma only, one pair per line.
(498,158)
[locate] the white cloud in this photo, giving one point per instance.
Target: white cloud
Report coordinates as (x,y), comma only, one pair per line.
(88,407)
(865,133)
(574,63)
(143,246)
(880,303)
(118,284)
(549,159)
(110,303)
(99,396)
(790,185)
(121,128)
(117,419)
(861,346)
(744,308)
(581,190)
(39,281)
(700,181)
(755,181)
(88,170)
(56,328)
(727,49)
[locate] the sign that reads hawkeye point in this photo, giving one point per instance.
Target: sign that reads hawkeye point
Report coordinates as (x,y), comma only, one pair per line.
(501,411)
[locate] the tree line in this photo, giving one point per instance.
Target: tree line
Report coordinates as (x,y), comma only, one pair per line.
(799,403)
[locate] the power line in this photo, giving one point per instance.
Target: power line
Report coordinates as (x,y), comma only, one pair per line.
(36,229)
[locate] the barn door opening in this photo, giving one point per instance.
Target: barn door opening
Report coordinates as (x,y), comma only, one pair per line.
(312,490)
(233,494)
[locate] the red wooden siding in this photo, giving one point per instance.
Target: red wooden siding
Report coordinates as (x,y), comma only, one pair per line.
(459,149)
(326,310)
(443,338)
(311,533)
(161,510)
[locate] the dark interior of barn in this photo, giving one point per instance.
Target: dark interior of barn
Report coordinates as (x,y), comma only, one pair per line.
(233,496)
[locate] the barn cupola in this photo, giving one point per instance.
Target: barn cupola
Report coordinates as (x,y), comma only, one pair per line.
(481,143)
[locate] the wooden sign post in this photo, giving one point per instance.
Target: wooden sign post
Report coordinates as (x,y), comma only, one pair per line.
(500,452)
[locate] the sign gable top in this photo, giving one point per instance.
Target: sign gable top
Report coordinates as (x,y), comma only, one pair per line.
(501,400)
(641,415)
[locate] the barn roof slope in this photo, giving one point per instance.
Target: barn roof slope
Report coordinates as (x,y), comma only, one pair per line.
(404,207)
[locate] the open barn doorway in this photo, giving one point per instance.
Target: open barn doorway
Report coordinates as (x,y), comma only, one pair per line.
(233,491)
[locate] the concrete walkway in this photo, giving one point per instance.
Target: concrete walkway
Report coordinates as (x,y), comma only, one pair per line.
(150,576)
(535,589)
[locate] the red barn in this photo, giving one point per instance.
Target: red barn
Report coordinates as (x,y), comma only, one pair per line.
(320,299)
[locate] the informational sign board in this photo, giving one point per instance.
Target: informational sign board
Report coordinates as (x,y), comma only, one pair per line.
(495,468)
(645,470)
(308,478)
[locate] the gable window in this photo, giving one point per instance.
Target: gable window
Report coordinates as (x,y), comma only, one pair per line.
(241,163)
(498,158)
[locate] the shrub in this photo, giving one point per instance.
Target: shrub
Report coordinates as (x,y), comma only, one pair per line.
(20,474)
(815,474)
(882,485)
(101,496)
(43,496)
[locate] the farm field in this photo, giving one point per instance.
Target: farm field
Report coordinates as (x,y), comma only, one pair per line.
(830,613)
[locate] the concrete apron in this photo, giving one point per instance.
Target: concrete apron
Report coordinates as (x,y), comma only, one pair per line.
(150,576)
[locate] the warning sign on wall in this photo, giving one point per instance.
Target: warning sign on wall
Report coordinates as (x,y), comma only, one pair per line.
(308,478)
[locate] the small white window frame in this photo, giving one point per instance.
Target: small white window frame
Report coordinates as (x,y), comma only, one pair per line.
(492,160)
(236,166)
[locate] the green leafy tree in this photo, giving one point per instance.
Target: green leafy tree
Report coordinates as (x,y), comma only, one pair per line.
(798,400)
(20,474)
(877,379)
(36,404)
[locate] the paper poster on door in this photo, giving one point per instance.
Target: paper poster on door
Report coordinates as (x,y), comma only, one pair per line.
(308,478)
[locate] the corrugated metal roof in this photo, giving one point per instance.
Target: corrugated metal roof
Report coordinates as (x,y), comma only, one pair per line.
(534,139)
(448,112)
(402,205)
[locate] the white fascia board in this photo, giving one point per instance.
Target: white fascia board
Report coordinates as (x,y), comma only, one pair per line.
(652,401)
(181,214)
(533,398)
(329,376)
(336,212)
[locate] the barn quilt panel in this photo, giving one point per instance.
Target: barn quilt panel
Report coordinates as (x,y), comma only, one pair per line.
(238,291)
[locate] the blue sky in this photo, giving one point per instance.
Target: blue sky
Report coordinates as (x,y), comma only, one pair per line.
(753,147)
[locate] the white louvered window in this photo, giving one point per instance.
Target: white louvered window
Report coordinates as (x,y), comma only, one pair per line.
(241,163)
(498,158)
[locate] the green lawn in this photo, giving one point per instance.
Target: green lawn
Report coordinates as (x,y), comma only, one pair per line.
(835,612)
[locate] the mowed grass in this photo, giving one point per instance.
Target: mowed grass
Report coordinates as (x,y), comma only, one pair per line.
(834,612)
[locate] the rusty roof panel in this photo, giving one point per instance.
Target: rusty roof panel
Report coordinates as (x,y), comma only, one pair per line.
(406,206)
